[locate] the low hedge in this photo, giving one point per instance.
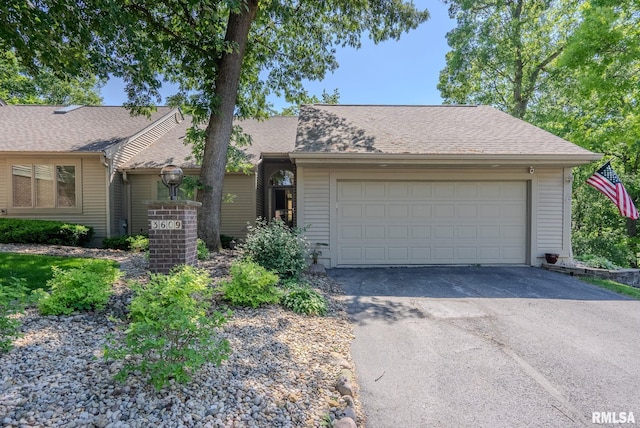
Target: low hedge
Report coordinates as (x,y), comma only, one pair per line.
(47,232)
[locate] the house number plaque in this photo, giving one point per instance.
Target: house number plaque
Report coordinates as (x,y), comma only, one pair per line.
(166,224)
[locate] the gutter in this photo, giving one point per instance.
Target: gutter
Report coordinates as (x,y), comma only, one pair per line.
(106,162)
(445,160)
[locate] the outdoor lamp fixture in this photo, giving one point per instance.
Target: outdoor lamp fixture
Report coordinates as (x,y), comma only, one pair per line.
(172,176)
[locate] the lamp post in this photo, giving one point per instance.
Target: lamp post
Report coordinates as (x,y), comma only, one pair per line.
(172,176)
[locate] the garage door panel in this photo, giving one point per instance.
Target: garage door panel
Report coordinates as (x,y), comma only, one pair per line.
(420,191)
(421,210)
(399,210)
(420,232)
(444,190)
(374,254)
(413,222)
(444,211)
(351,232)
(375,232)
(351,210)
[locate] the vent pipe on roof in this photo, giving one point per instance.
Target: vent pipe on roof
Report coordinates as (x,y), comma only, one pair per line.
(67,109)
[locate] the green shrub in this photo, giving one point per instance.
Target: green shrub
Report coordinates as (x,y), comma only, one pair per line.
(597,262)
(78,290)
(26,231)
(251,285)
(225,240)
(171,332)
(277,247)
(203,251)
(304,300)
(138,243)
(117,243)
(14,296)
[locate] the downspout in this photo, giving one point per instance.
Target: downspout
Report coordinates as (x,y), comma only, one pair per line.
(127,200)
(107,175)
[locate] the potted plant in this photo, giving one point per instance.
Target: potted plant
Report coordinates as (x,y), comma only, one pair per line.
(315,253)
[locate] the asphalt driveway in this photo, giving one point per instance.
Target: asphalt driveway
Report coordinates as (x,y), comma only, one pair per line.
(491,347)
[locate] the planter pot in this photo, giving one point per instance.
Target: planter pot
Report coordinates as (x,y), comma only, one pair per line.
(551,258)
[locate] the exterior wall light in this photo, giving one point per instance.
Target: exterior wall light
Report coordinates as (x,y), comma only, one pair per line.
(172,176)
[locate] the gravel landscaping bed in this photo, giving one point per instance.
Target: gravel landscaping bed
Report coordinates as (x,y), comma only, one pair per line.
(281,373)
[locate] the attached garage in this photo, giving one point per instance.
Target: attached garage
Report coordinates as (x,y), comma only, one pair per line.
(432,185)
(427,222)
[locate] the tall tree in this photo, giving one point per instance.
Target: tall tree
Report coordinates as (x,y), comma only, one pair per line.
(502,51)
(17,86)
(225,55)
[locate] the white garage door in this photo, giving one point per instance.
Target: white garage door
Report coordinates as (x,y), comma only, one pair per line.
(423,222)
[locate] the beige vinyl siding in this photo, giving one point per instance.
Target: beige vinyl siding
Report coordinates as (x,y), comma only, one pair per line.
(314,206)
(236,214)
(93,198)
(4,197)
(550,212)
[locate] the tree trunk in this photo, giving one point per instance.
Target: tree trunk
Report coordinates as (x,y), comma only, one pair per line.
(218,132)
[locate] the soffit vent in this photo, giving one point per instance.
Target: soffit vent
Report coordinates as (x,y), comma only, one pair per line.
(67,109)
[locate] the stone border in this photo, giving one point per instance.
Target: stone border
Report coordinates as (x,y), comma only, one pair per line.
(623,276)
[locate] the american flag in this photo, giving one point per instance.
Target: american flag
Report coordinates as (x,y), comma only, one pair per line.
(606,180)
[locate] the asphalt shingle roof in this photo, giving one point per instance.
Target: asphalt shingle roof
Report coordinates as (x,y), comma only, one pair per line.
(37,128)
(275,135)
(438,130)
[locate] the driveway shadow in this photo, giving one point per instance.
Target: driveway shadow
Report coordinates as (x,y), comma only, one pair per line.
(467,282)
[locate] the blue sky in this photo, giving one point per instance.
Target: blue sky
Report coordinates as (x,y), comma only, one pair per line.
(402,72)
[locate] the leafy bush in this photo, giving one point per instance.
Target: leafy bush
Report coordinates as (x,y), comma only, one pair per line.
(14,296)
(26,231)
(251,285)
(117,243)
(275,246)
(225,240)
(608,243)
(138,243)
(597,262)
(305,300)
(172,332)
(203,251)
(78,290)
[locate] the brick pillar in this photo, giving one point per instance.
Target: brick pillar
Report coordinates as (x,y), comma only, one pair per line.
(173,234)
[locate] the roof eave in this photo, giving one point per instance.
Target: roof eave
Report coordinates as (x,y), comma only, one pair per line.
(445,160)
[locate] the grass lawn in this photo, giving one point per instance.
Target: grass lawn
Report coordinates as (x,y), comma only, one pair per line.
(627,290)
(36,268)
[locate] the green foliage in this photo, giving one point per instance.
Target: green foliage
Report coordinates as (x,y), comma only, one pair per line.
(607,284)
(250,285)
(116,243)
(138,243)
(226,58)
(277,247)
(18,86)
(226,240)
(172,331)
(304,300)
(78,290)
(36,268)
(26,231)
(14,296)
(203,251)
(597,262)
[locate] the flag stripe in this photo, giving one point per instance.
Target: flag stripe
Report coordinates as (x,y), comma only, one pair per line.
(607,182)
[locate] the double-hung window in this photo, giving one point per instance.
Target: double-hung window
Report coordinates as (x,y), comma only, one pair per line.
(36,186)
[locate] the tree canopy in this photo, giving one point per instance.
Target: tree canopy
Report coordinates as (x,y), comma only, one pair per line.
(17,86)
(571,67)
(226,56)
